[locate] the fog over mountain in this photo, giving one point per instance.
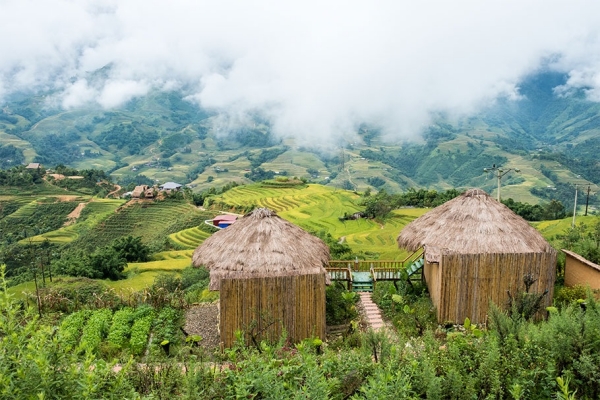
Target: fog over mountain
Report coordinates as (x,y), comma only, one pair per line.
(314,69)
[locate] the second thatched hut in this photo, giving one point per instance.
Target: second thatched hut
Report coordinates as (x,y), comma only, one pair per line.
(477,250)
(270,275)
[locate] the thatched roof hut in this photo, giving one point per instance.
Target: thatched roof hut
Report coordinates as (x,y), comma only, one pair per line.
(138,190)
(477,249)
(261,244)
(473,223)
(261,264)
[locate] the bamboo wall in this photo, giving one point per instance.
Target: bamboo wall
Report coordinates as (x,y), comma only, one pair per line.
(433,280)
(293,303)
(468,282)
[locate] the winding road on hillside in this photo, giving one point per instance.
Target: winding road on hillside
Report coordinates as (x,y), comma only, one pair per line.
(114,191)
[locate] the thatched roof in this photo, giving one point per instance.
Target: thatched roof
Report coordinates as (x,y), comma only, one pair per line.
(472,223)
(138,190)
(261,244)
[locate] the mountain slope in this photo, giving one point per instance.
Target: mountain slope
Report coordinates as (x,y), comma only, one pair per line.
(162,137)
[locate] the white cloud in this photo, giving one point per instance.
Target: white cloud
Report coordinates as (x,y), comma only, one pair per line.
(117,93)
(315,68)
(78,94)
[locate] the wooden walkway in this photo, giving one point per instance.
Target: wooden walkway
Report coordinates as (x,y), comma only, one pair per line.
(362,276)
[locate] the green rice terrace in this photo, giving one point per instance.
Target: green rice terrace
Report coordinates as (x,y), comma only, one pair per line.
(174,228)
(318,208)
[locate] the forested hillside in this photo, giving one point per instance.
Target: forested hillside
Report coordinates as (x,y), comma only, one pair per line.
(161,137)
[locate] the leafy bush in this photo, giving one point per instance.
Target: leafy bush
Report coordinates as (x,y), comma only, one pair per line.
(140,332)
(166,327)
(192,276)
(103,263)
(408,307)
(71,328)
(340,305)
(132,249)
(120,328)
(95,330)
(567,295)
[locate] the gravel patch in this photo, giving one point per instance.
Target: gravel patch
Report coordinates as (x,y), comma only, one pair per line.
(203,320)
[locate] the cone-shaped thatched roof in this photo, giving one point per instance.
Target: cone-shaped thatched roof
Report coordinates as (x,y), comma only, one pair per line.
(470,224)
(261,244)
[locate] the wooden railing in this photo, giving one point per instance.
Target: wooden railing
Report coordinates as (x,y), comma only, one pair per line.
(388,274)
(340,274)
(375,265)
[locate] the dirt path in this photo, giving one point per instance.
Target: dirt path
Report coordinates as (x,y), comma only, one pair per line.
(72,217)
(114,191)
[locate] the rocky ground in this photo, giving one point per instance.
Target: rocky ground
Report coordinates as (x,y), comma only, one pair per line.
(203,320)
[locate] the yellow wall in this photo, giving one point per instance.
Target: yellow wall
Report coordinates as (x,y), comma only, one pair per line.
(579,272)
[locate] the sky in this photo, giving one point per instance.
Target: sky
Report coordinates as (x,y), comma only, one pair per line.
(315,69)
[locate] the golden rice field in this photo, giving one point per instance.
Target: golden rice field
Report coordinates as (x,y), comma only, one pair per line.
(318,208)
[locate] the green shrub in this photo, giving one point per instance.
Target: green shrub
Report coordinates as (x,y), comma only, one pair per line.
(340,306)
(95,330)
(140,332)
(409,308)
(192,276)
(71,328)
(166,328)
(567,295)
(120,328)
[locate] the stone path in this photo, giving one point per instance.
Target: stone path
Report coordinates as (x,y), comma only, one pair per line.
(372,312)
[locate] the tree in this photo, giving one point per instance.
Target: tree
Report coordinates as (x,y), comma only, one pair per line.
(132,249)
(554,210)
(378,206)
(108,262)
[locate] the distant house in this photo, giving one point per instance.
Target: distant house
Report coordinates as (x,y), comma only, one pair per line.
(149,193)
(34,165)
(223,221)
(143,191)
(138,190)
(170,186)
(580,271)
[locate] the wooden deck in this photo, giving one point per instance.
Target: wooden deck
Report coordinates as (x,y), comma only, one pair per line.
(361,275)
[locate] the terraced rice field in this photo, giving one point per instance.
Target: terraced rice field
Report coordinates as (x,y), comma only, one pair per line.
(24,211)
(189,238)
(550,229)
(93,212)
(152,221)
(166,265)
(173,255)
(318,208)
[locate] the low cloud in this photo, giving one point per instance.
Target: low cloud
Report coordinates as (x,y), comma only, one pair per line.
(315,69)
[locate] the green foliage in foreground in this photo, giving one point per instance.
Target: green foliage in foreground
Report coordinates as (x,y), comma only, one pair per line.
(533,361)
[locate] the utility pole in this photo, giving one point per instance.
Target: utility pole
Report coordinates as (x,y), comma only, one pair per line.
(587,200)
(574,207)
(500,172)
